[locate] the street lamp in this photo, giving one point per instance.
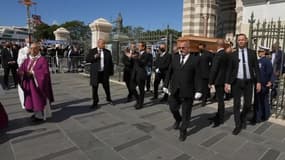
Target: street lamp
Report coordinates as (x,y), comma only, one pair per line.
(28,4)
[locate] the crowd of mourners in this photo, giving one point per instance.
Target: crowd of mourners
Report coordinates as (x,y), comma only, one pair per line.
(180,77)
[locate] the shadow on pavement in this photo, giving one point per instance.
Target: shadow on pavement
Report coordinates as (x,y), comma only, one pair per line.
(201,121)
(65,111)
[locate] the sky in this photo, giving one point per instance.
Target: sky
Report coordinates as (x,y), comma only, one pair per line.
(150,14)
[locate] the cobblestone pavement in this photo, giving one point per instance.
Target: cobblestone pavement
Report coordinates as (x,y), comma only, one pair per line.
(120,132)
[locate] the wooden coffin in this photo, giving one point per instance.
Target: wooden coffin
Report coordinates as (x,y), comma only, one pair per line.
(211,43)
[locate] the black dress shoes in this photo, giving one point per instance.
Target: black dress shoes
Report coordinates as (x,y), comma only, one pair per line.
(236,131)
(217,123)
(138,107)
(176,125)
(183,135)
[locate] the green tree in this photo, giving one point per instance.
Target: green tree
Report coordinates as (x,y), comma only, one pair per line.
(44,31)
(78,30)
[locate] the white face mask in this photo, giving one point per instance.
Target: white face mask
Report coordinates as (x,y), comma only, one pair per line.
(28,44)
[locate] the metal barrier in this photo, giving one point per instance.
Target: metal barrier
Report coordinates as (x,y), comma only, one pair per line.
(65,64)
(278,103)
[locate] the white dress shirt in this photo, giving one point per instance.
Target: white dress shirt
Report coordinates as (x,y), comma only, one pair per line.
(185,58)
(240,67)
(101,52)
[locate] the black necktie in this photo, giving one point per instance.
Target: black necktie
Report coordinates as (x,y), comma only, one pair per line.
(182,60)
(243,64)
(11,53)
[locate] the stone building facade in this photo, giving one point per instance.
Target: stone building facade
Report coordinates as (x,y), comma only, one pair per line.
(225,18)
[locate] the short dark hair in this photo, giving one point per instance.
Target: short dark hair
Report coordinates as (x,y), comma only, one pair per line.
(143,44)
(241,34)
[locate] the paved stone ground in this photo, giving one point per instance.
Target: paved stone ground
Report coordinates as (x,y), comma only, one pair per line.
(122,133)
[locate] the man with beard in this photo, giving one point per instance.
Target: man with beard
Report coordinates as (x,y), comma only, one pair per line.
(181,77)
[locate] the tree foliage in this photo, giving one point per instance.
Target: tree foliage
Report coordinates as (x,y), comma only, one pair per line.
(78,31)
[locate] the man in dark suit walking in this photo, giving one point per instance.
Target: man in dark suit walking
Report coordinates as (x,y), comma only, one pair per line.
(217,78)
(242,75)
(128,69)
(139,74)
(181,76)
(101,68)
(204,66)
(148,69)
(9,63)
(162,62)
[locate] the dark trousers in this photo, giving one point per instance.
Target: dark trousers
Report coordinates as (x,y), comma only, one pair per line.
(148,79)
(221,104)
(205,89)
(141,85)
(261,105)
(106,85)
(128,84)
(239,88)
(174,104)
(6,75)
(157,79)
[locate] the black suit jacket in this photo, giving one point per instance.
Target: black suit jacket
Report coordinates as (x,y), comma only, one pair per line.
(95,65)
(205,63)
(182,78)
(128,67)
(162,63)
(140,63)
(219,69)
(7,57)
(233,66)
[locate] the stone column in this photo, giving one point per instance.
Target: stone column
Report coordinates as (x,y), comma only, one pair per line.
(188,17)
(100,29)
(62,34)
(199,18)
(226,20)
(239,12)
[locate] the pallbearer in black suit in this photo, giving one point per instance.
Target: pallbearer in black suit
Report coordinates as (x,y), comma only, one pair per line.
(101,68)
(242,74)
(162,62)
(204,66)
(181,76)
(139,74)
(217,80)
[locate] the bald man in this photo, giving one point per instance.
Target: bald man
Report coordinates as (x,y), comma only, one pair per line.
(101,68)
(181,76)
